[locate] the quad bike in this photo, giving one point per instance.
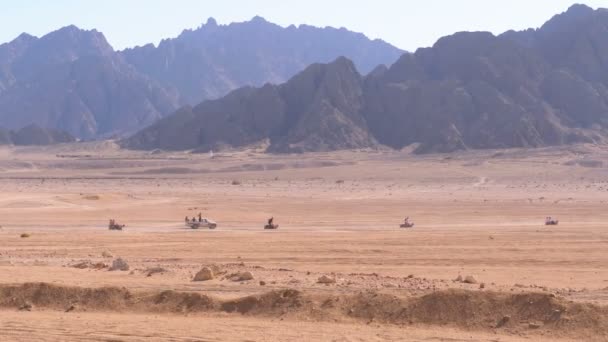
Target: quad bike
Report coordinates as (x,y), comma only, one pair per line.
(407,225)
(551,222)
(271,226)
(115,226)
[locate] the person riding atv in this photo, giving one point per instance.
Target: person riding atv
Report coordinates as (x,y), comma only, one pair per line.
(271,224)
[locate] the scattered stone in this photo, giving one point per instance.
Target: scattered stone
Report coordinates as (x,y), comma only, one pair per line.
(154,270)
(107,254)
(204,274)
(482,285)
(410,276)
(262,283)
(470,280)
(119,265)
(326,280)
(244,276)
(87,264)
(71,308)
(100,266)
(26,307)
(25,235)
(82,265)
(458,279)
(532,325)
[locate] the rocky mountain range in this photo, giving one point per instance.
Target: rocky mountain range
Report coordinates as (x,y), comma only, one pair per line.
(212,60)
(541,87)
(73,80)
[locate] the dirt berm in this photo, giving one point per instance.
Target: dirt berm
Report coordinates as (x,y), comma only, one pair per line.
(473,310)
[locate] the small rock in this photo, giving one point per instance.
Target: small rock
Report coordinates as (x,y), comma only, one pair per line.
(99,266)
(533,325)
(459,278)
(107,254)
(26,307)
(470,280)
(154,270)
(482,285)
(204,274)
(82,265)
(326,280)
(119,265)
(262,283)
(71,308)
(244,276)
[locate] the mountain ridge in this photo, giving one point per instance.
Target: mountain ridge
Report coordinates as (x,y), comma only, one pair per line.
(73,79)
(470,90)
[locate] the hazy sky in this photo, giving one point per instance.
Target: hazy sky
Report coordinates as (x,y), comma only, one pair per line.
(408,24)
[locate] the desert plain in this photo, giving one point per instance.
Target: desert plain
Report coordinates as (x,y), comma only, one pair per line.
(479,264)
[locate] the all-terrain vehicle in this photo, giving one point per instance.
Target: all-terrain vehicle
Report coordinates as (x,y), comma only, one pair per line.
(549,221)
(115,226)
(201,222)
(270,224)
(407,223)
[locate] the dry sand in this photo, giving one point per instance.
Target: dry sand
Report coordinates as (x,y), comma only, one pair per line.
(476,213)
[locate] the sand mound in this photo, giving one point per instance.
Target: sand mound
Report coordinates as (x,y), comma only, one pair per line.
(458,308)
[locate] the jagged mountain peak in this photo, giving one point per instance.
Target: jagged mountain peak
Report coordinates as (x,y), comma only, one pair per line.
(210,61)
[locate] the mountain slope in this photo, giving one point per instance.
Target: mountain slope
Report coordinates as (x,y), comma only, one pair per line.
(212,60)
(317,110)
(73,80)
(470,90)
(34,135)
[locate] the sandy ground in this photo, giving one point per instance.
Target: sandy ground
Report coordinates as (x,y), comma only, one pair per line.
(476,213)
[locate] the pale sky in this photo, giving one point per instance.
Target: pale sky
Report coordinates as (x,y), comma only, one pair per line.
(407,24)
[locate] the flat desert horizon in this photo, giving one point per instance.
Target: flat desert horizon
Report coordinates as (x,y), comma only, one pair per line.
(479,264)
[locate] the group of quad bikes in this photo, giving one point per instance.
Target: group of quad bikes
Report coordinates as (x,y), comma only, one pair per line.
(202,222)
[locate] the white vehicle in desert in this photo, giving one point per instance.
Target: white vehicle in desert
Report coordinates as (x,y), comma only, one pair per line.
(201,222)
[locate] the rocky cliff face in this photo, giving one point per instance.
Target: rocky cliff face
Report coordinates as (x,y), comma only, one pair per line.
(317,110)
(73,80)
(212,60)
(470,90)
